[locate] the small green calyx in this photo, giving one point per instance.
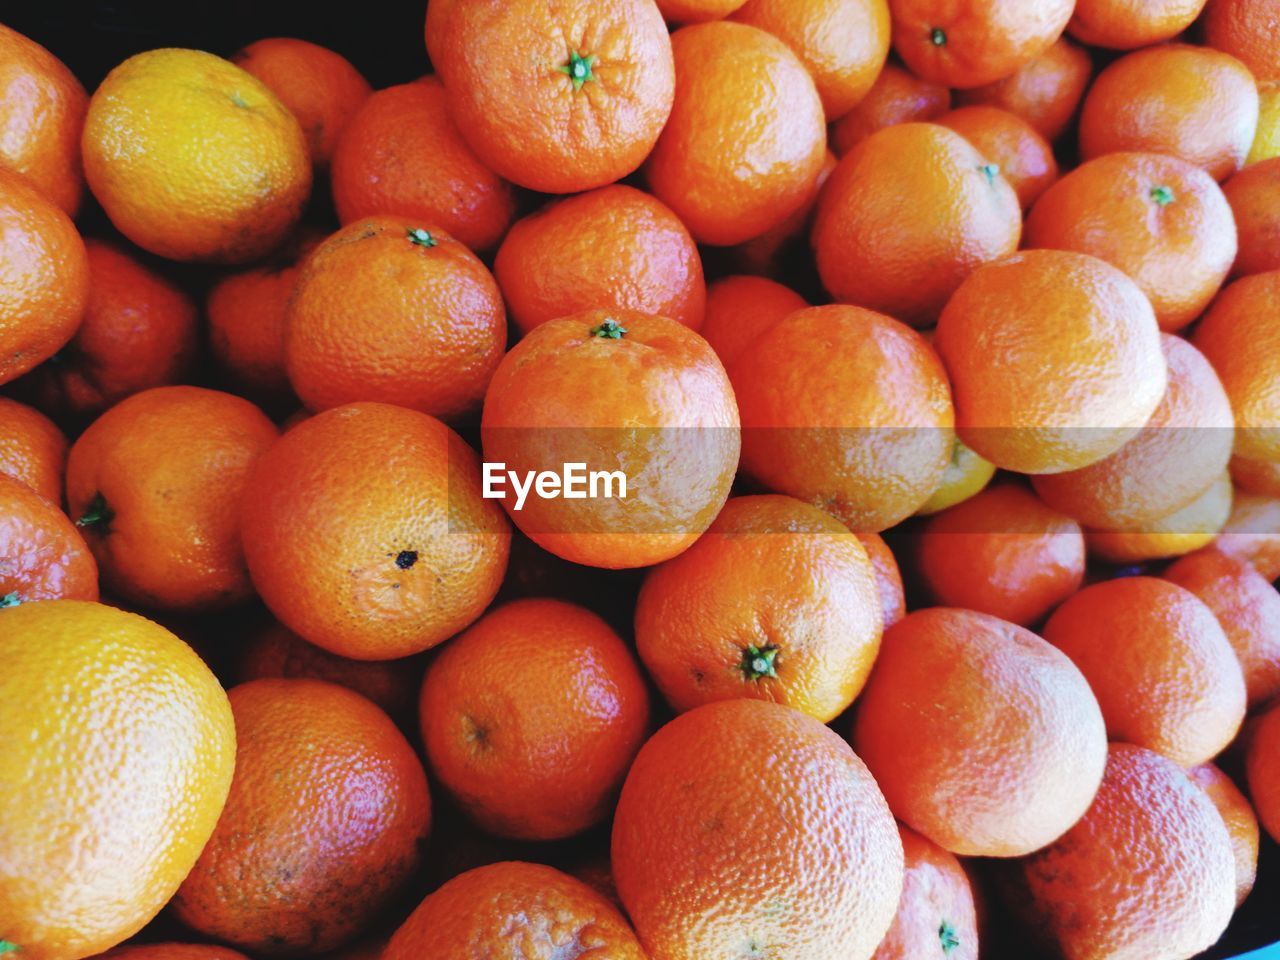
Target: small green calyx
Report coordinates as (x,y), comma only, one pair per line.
(609,330)
(578,69)
(421,238)
(9,600)
(948,937)
(1162,195)
(7,947)
(990,171)
(758,662)
(98,515)
(938,37)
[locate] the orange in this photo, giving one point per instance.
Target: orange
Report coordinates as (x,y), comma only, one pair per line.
(32,449)
(1245,29)
(173,951)
(1024,156)
(1148,872)
(1192,527)
(418,554)
(623,393)
(880,247)
(1247,607)
(974,42)
(697,11)
(402,155)
(767,253)
(847,409)
(138,332)
(967,475)
(531,718)
(1128,24)
(1254,195)
(1240,335)
(1193,103)
(842,43)
(1241,822)
(430,340)
(156,485)
(1178,456)
(1252,533)
(1262,767)
(1257,476)
(327,811)
(117,780)
(746,139)
(41,115)
(1161,220)
(1266,142)
(557,99)
(246,312)
(1163,671)
(712,826)
(896,97)
(1002,552)
(1054,360)
(44,277)
(514,910)
(982,736)
(193,158)
(320,88)
(1045,91)
(893,601)
(42,555)
(615,247)
(936,913)
(741,308)
(776,601)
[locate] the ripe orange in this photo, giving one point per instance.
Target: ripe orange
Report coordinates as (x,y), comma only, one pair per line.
(1178,456)
(430,340)
(402,155)
(172,951)
(1024,156)
(967,475)
(1252,533)
(1241,822)
(893,601)
(1002,552)
(1046,91)
(531,718)
(32,449)
(1148,872)
(776,601)
(42,555)
(1247,607)
(1192,527)
(1161,220)
(1254,195)
(879,247)
(44,277)
(746,138)
(324,822)
(1262,767)
(740,309)
(1054,360)
(41,116)
(418,554)
(1160,665)
(697,11)
(116,781)
(936,913)
(842,43)
(1240,335)
(767,254)
(616,390)
(319,87)
(982,736)
(974,42)
(615,247)
(1257,476)
(1245,29)
(741,804)
(558,99)
(897,96)
(514,909)
(1128,24)
(156,485)
(1193,103)
(193,158)
(847,409)
(138,332)
(1266,142)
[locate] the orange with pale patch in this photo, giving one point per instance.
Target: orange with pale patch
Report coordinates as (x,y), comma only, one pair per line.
(897,96)
(1241,822)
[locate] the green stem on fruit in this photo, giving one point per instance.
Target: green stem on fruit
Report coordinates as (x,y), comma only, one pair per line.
(421,238)
(990,171)
(609,330)
(578,68)
(949,938)
(98,515)
(9,600)
(758,662)
(7,947)
(938,37)
(1162,195)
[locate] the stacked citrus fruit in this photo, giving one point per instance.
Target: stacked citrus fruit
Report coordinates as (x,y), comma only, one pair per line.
(919,363)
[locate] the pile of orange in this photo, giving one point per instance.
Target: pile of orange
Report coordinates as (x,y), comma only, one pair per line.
(920,363)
